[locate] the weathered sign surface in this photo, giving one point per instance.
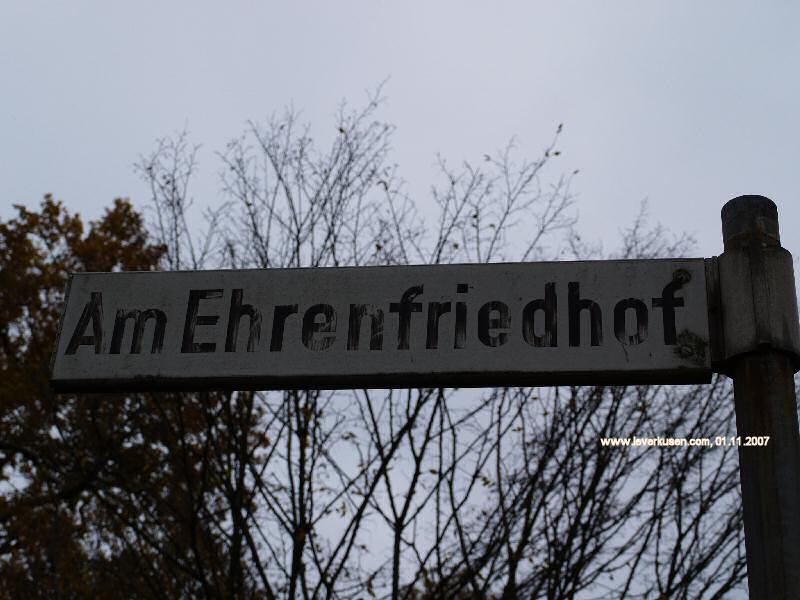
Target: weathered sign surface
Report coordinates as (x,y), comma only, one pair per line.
(627,321)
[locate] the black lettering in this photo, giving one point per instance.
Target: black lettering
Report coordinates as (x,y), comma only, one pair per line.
(239,310)
(94,311)
(461,318)
(357,313)
(194,320)
(282,312)
(404,308)
(668,303)
(488,325)
(576,305)
(548,305)
(435,311)
(140,319)
(640,309)
(327,327)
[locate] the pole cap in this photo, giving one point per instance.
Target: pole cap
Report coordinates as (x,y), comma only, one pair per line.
(749,219)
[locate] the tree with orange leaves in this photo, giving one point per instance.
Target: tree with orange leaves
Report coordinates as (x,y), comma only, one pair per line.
(48,453)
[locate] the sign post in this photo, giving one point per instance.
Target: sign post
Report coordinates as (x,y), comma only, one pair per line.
(761,353)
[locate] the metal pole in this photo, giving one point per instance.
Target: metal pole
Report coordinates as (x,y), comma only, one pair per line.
(761,340)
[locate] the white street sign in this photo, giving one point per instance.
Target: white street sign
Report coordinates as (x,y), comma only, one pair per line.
(615,322)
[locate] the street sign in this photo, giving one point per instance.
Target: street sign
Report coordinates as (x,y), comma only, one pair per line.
(570,323)
(591,322)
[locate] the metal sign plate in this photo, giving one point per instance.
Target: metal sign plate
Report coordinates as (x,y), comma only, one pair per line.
(547,323)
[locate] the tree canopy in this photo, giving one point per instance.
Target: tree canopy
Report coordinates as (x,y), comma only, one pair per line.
(419,493)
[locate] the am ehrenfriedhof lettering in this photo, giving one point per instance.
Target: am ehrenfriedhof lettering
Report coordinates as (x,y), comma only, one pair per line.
(456,325)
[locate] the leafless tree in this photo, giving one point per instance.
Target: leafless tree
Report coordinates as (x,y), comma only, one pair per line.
(434,493)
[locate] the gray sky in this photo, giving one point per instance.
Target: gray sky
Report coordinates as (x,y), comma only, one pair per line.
(686,104)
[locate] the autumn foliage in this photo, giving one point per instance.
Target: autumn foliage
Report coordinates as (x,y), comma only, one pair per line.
(50,449)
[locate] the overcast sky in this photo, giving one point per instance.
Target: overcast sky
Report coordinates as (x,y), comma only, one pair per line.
(687,104)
